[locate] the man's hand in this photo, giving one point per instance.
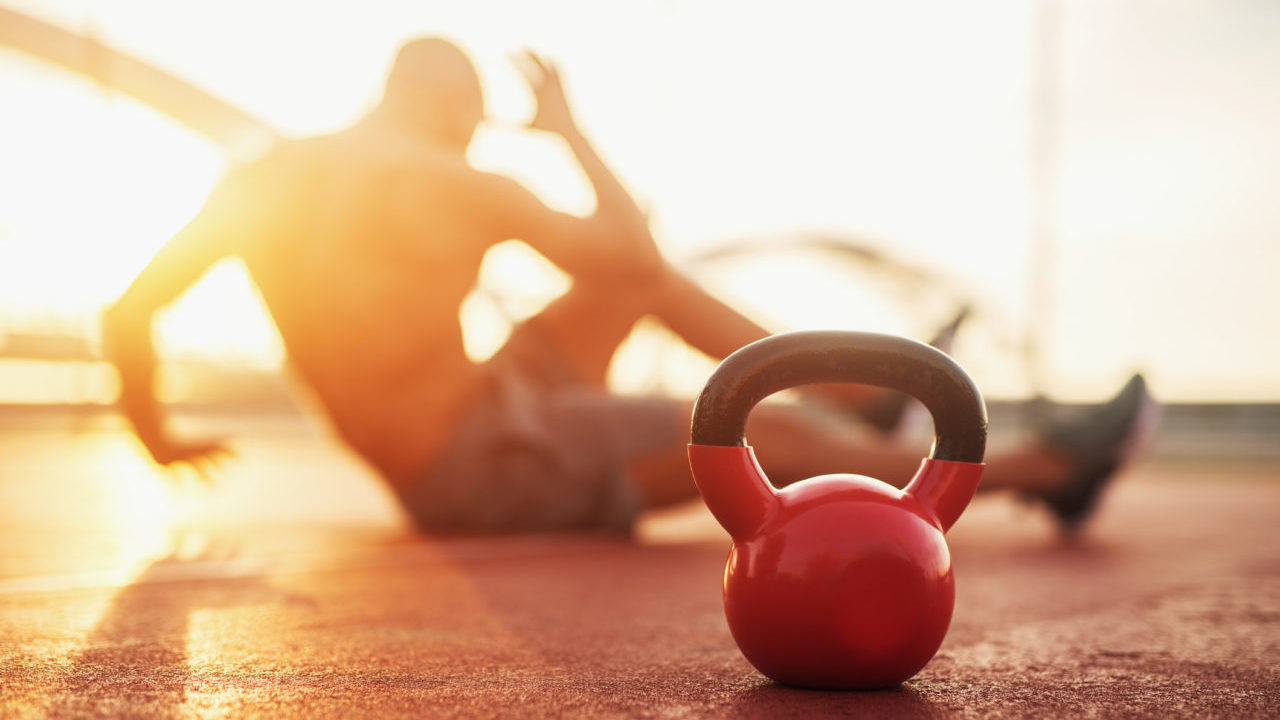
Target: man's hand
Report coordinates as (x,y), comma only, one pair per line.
(552,114)
(204,457)
(615,242)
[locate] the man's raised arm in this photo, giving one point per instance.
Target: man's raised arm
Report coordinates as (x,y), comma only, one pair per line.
(625,229)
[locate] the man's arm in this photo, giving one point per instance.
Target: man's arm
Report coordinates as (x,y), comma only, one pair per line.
(553,115)
(126,325)
(618,227)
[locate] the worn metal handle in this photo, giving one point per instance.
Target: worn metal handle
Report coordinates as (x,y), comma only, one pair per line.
(802,358)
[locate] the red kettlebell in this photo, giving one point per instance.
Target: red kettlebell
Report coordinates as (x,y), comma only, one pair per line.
(838,581)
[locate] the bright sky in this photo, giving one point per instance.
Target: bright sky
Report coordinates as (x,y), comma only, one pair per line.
(906,123)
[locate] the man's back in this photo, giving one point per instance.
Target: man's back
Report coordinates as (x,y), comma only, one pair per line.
(363,252)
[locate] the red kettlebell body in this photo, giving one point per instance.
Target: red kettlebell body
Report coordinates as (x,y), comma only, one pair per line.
(838,581)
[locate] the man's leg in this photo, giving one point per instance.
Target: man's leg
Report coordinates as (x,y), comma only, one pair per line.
(1066,469)
(585,326)
(582,329)
(793,444)
(588,323)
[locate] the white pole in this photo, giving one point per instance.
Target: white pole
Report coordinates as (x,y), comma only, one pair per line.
(1044,133)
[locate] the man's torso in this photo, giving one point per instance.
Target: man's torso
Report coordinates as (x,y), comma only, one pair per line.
(364,254)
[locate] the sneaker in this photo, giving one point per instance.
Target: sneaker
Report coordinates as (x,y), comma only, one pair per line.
(1098,443)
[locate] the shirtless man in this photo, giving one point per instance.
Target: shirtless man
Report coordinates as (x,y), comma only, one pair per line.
(364,244)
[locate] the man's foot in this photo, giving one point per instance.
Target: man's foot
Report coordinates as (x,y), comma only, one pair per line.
(887,412)
(1097,444)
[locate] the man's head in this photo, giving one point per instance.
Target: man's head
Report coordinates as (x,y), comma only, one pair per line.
(433,89)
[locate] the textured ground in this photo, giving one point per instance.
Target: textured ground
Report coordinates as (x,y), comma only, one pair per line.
(292,589)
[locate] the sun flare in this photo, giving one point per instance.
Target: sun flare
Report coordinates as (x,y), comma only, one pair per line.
(92,184)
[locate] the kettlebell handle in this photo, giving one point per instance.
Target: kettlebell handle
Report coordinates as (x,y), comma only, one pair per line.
(791,359)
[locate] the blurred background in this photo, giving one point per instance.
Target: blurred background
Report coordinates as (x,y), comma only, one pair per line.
(1097,180)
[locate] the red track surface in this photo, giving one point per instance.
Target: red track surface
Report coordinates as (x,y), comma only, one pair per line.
(1169,608)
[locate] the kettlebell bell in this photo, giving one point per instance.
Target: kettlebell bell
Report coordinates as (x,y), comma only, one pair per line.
(838,581)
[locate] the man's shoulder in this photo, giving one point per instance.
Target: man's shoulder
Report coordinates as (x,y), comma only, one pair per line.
(359,146)
(400,166)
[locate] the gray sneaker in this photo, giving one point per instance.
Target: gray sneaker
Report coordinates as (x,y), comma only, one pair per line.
(1098,443)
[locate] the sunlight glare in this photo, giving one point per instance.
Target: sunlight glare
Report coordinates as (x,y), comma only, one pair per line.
(92,185)
(515,283)
(139,503)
